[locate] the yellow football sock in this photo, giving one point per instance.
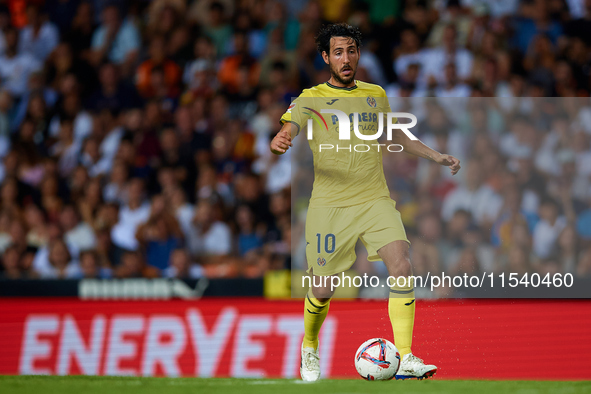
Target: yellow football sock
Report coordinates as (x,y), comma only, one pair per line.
(401,308)
(314,314)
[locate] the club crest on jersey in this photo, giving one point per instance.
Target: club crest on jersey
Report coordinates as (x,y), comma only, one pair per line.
(321,261)
(371,101)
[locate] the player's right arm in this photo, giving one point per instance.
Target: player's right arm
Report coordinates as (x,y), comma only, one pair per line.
(290,127)
(282,141)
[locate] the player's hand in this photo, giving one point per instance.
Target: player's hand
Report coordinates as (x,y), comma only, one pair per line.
(449,161)
(281,142)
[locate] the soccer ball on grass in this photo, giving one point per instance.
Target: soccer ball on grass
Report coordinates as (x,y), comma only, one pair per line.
(377,359)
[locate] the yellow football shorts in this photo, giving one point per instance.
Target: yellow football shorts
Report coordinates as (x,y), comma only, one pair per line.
(331,234)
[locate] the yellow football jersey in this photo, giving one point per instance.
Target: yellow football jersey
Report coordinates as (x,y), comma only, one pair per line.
(351,172)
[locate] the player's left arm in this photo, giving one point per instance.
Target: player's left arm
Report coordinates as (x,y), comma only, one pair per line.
(417,148)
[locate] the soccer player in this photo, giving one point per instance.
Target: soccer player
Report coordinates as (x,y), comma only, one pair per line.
(350,198)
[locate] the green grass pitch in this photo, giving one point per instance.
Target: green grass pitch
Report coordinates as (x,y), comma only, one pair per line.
(129,385)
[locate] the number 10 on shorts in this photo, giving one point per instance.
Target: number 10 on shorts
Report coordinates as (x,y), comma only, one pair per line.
(329,242)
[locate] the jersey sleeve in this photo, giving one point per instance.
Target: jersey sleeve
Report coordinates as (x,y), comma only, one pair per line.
(384,101)
(296,114)
(384,104)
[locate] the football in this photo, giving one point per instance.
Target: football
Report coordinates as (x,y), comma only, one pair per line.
(377,359)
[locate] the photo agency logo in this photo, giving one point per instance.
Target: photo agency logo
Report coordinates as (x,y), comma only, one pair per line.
(362,124)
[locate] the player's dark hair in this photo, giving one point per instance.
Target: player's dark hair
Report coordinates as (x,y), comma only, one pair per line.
(336,30)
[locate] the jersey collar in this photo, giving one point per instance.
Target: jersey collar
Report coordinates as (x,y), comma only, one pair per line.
(341,88)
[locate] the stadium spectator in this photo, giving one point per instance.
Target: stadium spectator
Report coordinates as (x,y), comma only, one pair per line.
(66,149)
(4,23)
(133,266)
(9,194)
(164,16)
(584,222)
(536,19)
(10,263)
(60,265)
(518,261)
(568,249)
(450,86)
(5,223)
(448,52)
(160,234)
(90,202)
(181,266)
(584,265)
(26,263)
(116,189)
(248,236)
(80,32)
(548,229)
(475,197)
(199,75)
(131,215)
(467,263)
(217,28)
(39,37)
(431,243)
(90,267)
(77,233)
(455,15)
(38,232)
(211,237)
(116,39)
(158,60)
(16,67)
(61,13)
(113,93)
(5,106)
(239,67)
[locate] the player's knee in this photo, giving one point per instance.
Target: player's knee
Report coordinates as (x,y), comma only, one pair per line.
(322,294)
(399,266)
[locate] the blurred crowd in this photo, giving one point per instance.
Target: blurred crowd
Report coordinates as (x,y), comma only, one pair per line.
(522,201)
(134,134)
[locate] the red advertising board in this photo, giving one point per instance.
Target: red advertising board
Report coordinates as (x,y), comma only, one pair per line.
(491,339)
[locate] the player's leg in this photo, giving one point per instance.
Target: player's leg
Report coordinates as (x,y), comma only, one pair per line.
(401,308)
(330,249)
(316,306)
(385,239)
(401,303)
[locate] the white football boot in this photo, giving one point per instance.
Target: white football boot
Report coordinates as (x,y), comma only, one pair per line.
(310,364)
(412,367)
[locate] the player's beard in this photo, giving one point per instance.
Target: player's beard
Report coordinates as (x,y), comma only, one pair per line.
(336,74)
